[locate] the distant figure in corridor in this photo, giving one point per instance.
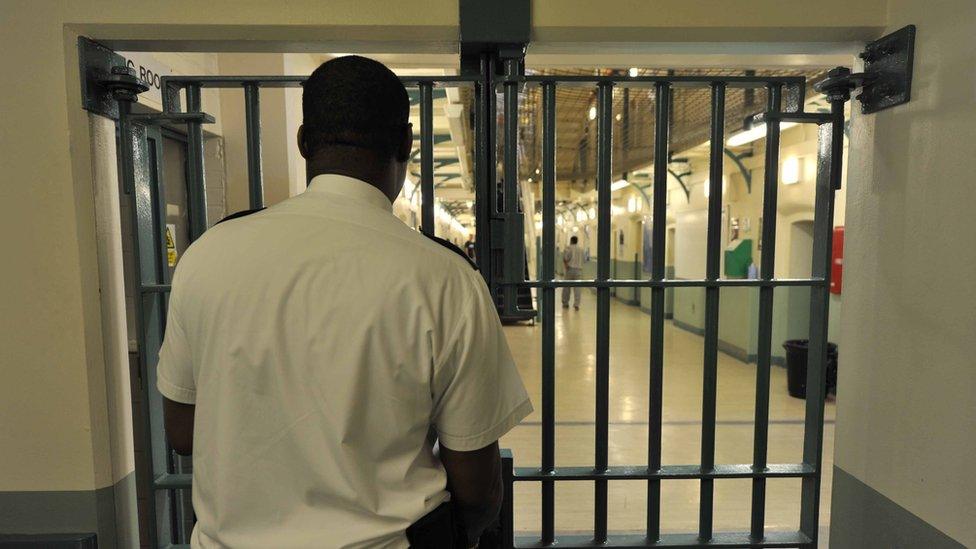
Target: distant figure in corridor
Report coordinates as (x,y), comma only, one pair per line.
(316,352)
(573,265)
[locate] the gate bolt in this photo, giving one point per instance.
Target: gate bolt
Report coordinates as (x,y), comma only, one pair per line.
(123,84)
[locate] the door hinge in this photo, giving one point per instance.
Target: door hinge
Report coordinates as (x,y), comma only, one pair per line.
(887,77)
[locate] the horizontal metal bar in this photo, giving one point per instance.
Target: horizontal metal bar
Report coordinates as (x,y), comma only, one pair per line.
(736,539)
(798,117)
(279,81)
(650,81)
(672,283)
(666,472)
(155,288)
(176,117)
(171,481)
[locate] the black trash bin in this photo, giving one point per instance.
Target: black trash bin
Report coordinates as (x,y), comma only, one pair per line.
(796,367)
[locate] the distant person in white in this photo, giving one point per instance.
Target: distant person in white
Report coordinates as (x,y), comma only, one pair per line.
(316,352)
(573,266)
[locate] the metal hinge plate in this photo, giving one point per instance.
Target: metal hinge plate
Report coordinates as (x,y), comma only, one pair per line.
(890,58)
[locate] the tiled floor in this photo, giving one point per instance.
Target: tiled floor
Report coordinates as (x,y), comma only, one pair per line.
(629,355)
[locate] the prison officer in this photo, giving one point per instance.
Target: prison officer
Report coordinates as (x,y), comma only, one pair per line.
(317,350)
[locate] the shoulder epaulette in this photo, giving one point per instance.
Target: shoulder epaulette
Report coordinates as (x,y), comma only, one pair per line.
(241,213)
(453,248)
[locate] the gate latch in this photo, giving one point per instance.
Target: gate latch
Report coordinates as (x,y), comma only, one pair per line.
(887,77)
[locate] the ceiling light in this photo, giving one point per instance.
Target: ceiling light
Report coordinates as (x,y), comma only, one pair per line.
(580,216)
(592,113)
(619,116)
(530,180)
(790,173)
(756,132)
(633,72)
(632,204)
(591,213)
(537,171)
(619,184)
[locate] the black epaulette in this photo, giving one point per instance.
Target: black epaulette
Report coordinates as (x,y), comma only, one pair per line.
(241,213)
(447,244)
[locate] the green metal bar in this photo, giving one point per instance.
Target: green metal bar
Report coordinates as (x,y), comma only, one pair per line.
(513,259)
(662,125)
(604,198)
(426,160)
(638,541)
(196,181)
(764,351)
(141,319)
(829,171)
(672,283)
(665,472)
(548,311)
(712,262)
(252,120)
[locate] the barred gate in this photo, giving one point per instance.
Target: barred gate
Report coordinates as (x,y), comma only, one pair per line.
(500,249)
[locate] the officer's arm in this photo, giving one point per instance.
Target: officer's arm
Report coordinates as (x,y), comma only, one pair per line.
(475,482)
(178,419)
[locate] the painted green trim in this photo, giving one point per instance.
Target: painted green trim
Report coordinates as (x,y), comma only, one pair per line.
(860,516)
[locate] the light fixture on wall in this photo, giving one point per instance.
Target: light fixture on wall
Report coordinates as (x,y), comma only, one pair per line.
(580,216)
(790,172)
(632,204)
(591,212)
(619,184)
(752,130)
(592,113)
(633,72)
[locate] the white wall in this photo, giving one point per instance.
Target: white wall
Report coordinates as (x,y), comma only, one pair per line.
(906,410)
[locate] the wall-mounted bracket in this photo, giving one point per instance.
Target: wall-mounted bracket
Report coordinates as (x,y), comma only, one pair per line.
(746,172)
(887,77)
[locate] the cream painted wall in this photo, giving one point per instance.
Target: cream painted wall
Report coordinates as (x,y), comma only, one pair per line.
(906,412)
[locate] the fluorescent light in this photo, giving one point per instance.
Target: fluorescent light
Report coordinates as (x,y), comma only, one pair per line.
(633,71)
(756,132)
(619,184)
(592,113)
(790,173)
(706,188)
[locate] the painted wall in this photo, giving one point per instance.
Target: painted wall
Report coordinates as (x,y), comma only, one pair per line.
(906,410)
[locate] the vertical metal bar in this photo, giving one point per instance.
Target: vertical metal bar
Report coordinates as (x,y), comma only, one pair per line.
(196,182)
(427,158)
(507,515)
(830,157)
(761,433)
(252,119)
(712,262)
(513,260)
(548,306)
(127,166)
(662,123)
(484,163)
(604,198)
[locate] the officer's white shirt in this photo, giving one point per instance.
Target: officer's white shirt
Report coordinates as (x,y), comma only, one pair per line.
(325,346)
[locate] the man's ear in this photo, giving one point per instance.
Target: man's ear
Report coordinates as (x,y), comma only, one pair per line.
(301,142)
(406,144)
